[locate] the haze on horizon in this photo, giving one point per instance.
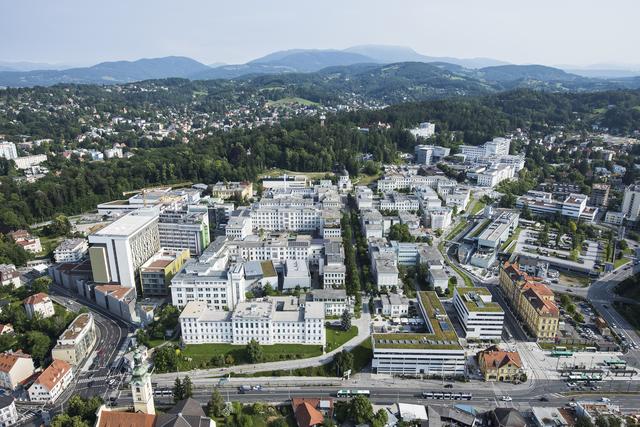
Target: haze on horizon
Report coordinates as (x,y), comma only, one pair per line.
(551,32)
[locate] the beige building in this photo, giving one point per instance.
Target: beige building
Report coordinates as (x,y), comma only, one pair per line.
(14,368)
(500,365)
(77,341)
(51,382)
(39,303)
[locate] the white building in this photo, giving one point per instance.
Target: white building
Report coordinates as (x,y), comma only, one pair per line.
(275,321)
(118,250)
(429,154)
(573,206)
(631,202)
(8,414)
(495,175)
(335,301)
(481,318)
(364,197)
(71,250)
(51,382)
(40,304)
(15,367)
(399,202)
(394,305)
(28,162)
(332,268)
(185,229)
(438,278)
(286,218)
(385,270)
(614,218)
(296,274)
(496,147)
(439,218)
(285,182)
(458,197)
(239,225)
(8,150)
(77,341)
(424,130)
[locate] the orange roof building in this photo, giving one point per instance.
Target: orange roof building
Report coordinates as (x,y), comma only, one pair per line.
(15,367)
(500,365)
(51,382)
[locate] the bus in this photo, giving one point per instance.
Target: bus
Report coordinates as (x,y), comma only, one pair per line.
(561,353)
(590,349)
(351,393)
(427,395)
(467,396)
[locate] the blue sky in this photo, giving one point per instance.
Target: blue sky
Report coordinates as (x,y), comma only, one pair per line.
(554,32)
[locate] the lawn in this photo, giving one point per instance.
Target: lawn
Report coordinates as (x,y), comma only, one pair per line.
(477,207)
(337,337)
(514,237)
(291,101)
(457,229)
(467,281)
(620,262)
(364,179)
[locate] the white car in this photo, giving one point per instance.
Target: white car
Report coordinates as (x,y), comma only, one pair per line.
(605,399)
(506,398)
(573,404)
(572,384)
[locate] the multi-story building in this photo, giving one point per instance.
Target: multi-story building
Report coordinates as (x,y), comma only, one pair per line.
(599,195)
(118,300)
(157,272)
(15,367)
(438,218)
(118,250)
(286,218)
(631,202)
(495,174)
(8,150)
(429,154)
(399,202)
(330,226)
(27,241)
(500,365)
(424,130)
(71,250)
(51,383)
(364,197)
(458,197)
(481,318)
(296,274)
(532,301)
(405,181)
(239,224)
(26,162)
(285,182)
(186,228)
(275,321)
(9,275)
(335,301)
(496,147)
(332,268)
(394,305)
(384,268)
(573,206)
(8,414)
(40,304)
(435,353)
(77,341)
(226,190)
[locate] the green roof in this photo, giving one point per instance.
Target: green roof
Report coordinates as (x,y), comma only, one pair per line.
(413,341)
(268,269)
(473,305)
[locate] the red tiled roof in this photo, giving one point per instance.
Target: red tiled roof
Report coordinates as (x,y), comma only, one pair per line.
(7,360)
(38,298)
(497,358)
(53,374)
(307,415)
(125,419)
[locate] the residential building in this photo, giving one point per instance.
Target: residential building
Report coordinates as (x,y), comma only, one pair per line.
(436,353)
(8,150)
(227,190)
(39,303)
(631,202)
(71,250)
(599,195)
(335,301)
(185,413)
(77,341)
(481,318)
(27,162)
(424,130)
(532,301)
(544,416)
(27,241)
(6,328)
(51,382)
(593,410)
(394,305)
(274,321)
(157,272)
(118,250)
(500,365)
(15,367)
(296,274)
(9,275)
(311,412)
(186,228)
(8,414)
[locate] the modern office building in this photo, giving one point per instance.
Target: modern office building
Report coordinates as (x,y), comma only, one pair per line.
(429,154)
(631,202)
(274,321)
(157,272)
(71,250)
(118,250)
(436,353)
(573,206)
(481,318)
(185,228)
(77,341)
(599,195)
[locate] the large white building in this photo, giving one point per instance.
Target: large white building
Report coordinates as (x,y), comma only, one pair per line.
(436,353)
(296,274)
(496,147)
(71,250)
(481,318)
(286,218)
(8,150)
(429,154)
(118,250)
(76,341)
(385,269)
(631,202)
(399,202)
(438,218)
(185,229)
(335,301)
(495,175)
(274,321)
(424,130)
(27,162)
(573,206)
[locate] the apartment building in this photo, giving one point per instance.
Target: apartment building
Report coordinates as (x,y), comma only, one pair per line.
(500,365)
(481,318)
(9,275)
(71,250)
(118,250)
(532,301)
(8,413)
(599,195)
(157,272)
(51,383)
(631,202)
(274,321)
(27,241)
(436,353)
(77,341)
(186,228)
(234,189)
(39,303)
(15,367)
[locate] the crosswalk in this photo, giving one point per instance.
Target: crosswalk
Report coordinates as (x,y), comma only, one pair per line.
(86,380)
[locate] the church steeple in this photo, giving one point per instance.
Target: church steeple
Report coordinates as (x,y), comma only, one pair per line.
(141,390)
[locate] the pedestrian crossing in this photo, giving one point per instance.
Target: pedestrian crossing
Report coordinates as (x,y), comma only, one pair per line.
(86,380)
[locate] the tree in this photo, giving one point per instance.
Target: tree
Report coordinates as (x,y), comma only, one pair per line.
(583,421)
(380,419)
(41,284)
(400,232)
(345,320)
(165,359)
(37,345)
(360,410)
(254,351)
(229,360)
(59,226)
(216,404)
(343,362)
(526,212)
(84,408)
(188,387)
(178,390)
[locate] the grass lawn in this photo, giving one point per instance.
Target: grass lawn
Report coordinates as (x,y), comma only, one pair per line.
(620,262)
(368,179)
(337,337)
(513,238)
(458,228)
(477,207)
(291,101)
(156,343)
(467,281)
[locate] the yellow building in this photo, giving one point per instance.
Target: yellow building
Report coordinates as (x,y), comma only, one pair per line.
(499,365)
(157,272)
(532,301)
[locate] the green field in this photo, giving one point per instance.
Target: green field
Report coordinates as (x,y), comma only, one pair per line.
(291,101)
(511,239)
(337,337)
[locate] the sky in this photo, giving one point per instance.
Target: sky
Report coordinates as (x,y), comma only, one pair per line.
(551,32)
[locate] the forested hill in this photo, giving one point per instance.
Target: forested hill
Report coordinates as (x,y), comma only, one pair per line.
(303,145)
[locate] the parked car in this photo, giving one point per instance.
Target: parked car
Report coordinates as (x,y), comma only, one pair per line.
(508,399)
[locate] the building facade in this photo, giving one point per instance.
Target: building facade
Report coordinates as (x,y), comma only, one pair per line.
(77,341)
(481,318)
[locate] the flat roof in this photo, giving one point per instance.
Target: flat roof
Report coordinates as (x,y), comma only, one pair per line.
(128,224)
(471,298)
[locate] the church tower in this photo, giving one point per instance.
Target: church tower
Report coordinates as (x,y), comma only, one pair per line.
(141,390)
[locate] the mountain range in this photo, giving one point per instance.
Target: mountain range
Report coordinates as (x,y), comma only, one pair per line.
(388,65)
